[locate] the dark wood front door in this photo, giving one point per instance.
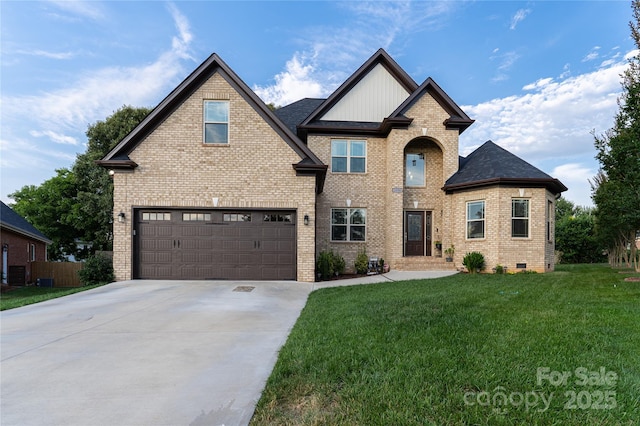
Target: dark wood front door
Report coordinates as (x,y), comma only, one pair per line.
(417,234)
(414,232)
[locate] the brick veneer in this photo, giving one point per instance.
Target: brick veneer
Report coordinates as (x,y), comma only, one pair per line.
(175,169)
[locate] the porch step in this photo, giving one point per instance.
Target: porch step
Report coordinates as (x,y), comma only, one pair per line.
(423,263)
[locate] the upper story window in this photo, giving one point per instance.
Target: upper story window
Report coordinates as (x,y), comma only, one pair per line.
(475,219)
(414,170)
(216,122)
(348,156)
(519,218)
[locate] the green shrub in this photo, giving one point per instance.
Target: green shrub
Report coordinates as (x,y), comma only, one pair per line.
(499,269)
(338,263)
(474,262)
(97,269)
(362,262)
(328,264)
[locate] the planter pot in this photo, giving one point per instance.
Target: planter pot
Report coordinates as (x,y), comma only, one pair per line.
(449,259)
(439,246)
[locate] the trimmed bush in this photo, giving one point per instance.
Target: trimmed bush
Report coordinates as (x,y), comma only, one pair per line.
(97,269)
(474,262)
(362,262)
(329,264)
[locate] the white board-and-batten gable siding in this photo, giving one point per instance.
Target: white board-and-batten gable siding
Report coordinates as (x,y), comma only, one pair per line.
(372,99)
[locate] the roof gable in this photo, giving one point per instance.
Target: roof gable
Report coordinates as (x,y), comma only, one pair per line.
(382,69)
(118,157)
(371,99)
(12,221)
(490,164)
(457,118)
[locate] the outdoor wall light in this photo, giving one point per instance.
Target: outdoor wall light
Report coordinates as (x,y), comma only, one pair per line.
(306,219)
(121,217)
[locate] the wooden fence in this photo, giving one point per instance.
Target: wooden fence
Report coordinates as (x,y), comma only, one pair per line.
(64,274)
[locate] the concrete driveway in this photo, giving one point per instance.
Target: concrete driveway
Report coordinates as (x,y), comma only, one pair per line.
(145,353)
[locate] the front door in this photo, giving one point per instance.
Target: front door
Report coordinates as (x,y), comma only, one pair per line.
(417,234)
(414,234)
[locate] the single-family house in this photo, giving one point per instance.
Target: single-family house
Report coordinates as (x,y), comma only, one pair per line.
(22,244)
(212,184)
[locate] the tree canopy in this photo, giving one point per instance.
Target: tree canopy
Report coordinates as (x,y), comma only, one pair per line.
(77,204)
(616,189)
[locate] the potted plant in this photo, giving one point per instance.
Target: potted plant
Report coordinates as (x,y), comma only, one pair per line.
(438,244)
(449,252)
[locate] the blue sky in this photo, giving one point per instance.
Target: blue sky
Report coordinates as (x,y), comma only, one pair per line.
(538,77)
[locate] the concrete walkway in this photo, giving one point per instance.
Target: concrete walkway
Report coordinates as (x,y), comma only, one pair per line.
(150,352)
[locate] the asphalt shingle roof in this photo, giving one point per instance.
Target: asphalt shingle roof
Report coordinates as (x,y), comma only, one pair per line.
(490,164)
(295,113)
(13,221)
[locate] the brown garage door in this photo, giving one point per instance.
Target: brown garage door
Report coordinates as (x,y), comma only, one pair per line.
(214,244)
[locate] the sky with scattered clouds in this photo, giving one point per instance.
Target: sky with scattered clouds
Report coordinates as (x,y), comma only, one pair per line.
(538,77)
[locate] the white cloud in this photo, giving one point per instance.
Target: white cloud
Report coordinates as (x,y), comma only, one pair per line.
(592,55)
(331,54)
(292,84)
(63,114)
(551,121)
(505,62)
(55,137)
(576,177)
(45,54)
(552,115)
(84,9)
(518,17)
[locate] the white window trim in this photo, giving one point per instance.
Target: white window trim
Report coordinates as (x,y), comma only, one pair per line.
(205,122)
(484,220)
(348,225)
(528,218)
(349,156)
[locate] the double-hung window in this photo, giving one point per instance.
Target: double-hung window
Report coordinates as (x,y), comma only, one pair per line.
(348,224)
(216,122)
(475,219)
(348,156)
(519,218)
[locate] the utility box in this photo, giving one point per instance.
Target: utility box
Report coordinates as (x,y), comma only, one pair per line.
(44,282)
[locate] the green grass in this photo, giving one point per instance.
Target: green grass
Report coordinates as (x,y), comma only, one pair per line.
(408,353)
(28,295)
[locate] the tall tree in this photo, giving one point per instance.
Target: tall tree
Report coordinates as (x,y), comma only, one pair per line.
(77,204)
(575,237)
(95,188)
(51,208)
(617,195)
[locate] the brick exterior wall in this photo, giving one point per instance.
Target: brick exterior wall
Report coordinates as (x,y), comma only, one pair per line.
(498,246)
(381,190)
(175,169)
(19,252)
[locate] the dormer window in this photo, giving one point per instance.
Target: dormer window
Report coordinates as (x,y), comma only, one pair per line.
(216,122)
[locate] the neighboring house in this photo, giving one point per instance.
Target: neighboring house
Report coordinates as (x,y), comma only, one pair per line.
(214,185)
(22,244)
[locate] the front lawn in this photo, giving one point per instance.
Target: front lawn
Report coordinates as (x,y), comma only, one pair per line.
(17,297)
(557,348)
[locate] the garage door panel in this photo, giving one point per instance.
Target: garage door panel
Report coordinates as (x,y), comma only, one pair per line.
(263,248)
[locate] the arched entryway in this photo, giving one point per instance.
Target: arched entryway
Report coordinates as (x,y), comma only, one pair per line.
(422,200)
